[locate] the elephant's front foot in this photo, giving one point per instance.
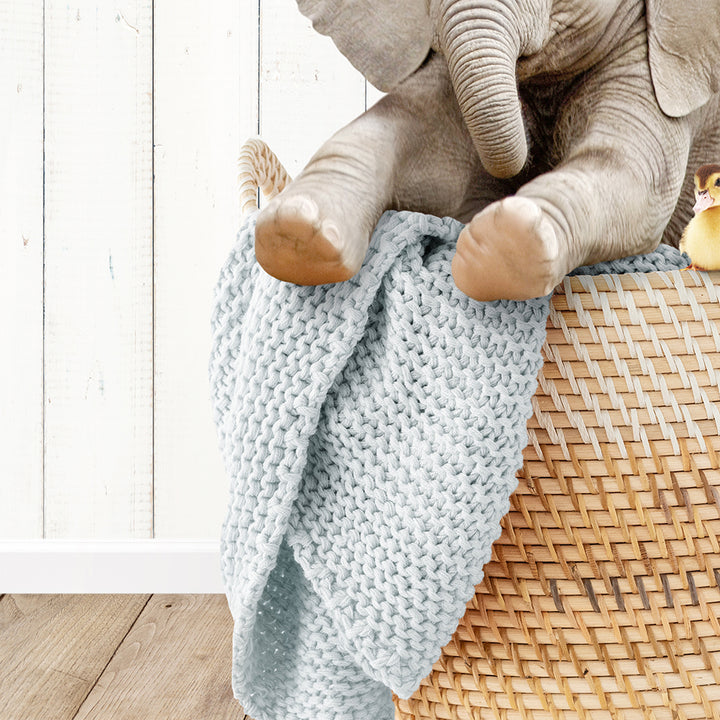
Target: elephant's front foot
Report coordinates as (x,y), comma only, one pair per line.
(509,251)
(316,231)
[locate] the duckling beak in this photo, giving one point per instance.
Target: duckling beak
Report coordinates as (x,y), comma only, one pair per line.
(703,201)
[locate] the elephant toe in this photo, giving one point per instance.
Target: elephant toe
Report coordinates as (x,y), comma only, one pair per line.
(508,251)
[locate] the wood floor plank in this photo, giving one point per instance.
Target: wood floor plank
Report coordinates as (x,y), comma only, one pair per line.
(174,664)
(53,648)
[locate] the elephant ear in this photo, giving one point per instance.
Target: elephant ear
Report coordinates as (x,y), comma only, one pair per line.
(684,52)
(385,41)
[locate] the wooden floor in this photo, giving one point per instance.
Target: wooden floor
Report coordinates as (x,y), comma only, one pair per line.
(116,657)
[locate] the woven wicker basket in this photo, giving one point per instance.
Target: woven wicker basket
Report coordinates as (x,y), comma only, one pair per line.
(602,597)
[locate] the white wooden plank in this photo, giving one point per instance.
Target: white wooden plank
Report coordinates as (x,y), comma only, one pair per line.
(308,90)
(249,48)
(21,267)
(372,94)
(110,566)
(202,116)
(98,229)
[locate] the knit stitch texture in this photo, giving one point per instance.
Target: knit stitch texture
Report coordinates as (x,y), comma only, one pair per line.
(371,431)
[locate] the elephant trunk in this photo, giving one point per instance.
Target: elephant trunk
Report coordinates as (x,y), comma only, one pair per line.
(481,44)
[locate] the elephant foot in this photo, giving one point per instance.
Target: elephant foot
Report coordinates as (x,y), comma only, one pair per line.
(508,251)
(307,235)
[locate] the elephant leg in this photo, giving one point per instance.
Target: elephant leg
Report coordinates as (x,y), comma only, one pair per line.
(612,193)
(410,151)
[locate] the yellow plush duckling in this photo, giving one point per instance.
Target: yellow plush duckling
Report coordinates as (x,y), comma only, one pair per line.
(701,239)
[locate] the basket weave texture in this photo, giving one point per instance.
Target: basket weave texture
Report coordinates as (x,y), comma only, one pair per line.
(602,597)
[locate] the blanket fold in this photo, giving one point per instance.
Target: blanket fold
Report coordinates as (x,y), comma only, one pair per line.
(372,431)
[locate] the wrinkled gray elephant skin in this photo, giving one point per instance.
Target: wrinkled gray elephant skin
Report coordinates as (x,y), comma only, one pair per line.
(563,133)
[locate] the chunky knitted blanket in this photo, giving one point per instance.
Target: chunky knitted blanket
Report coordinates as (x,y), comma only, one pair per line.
(372,431)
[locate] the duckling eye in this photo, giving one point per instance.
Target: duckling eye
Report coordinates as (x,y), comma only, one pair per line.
(717,183)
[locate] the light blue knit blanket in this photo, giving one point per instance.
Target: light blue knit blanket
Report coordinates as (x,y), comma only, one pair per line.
(372,431)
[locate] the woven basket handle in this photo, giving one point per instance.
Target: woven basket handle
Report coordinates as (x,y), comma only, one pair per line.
(258,167)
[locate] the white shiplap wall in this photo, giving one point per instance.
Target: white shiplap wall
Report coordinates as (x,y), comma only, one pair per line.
(119,133)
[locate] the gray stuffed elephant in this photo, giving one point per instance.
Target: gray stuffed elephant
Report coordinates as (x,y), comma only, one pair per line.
(563,132)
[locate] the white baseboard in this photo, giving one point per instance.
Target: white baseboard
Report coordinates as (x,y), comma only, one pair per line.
(110,566)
